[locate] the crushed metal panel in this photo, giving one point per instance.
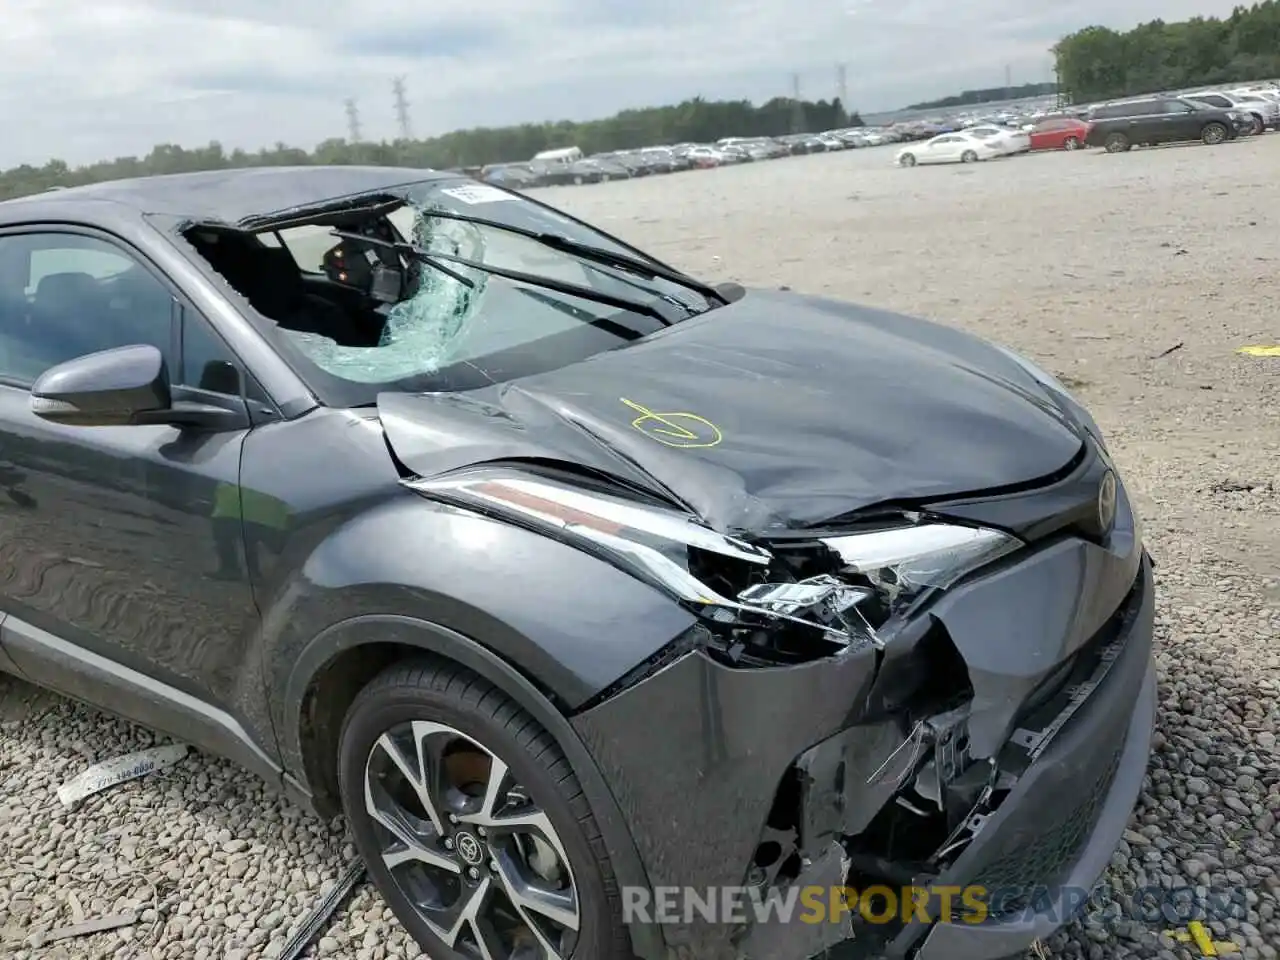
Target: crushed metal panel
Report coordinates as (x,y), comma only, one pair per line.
(773,938)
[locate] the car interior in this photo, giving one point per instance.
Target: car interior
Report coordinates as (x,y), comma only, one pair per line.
(345,301)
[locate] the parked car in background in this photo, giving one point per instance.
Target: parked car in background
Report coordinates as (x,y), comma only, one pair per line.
(1059,133)
(512,176)
(585,171)
(948,148)
(1117,127)
(1005,140)
(704,157)
(1264,113)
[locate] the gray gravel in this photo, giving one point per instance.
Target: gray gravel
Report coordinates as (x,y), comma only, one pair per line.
(1090,264)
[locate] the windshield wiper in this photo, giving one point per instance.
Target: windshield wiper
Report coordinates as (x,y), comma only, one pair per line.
(587,252)
(433,259)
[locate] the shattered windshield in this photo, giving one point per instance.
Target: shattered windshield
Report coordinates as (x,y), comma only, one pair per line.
(370,315)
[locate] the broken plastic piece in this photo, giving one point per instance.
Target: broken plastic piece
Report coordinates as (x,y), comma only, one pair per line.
(323,911)
(109,773)
(823,597)
(86,929)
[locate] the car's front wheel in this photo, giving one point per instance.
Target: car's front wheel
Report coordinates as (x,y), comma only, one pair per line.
(472,823)
(1213,133)
(907,160)
(1071,143)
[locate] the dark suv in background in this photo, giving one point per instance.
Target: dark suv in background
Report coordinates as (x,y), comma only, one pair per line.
(1152,120)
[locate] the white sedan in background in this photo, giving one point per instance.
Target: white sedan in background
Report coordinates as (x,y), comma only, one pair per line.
(947,148)
(1004,139)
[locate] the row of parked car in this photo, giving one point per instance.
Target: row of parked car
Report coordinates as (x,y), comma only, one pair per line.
(567,167)
(1212,116)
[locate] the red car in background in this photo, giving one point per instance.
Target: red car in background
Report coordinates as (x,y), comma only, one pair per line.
(1059,133)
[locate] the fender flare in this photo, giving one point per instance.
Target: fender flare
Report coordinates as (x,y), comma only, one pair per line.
(647,941)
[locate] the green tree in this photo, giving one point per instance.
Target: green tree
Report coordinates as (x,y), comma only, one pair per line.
(694,121)
(988,95)
(1098,63)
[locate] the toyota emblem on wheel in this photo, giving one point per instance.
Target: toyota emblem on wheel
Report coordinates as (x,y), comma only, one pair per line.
(469,848)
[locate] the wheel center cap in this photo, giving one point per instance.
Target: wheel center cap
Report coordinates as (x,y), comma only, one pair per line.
(468,848)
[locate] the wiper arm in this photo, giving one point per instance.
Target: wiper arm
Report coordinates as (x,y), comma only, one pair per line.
(519,276)
(587,252)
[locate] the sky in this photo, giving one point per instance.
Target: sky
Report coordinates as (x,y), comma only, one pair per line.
(89,81)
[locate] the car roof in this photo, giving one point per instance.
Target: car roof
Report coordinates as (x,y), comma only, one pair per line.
(230,196)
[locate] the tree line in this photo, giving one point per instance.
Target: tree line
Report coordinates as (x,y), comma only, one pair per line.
(693,121)
(988,95)
(1098,63)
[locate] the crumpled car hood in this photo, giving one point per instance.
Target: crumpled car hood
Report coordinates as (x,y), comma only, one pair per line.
(775,412)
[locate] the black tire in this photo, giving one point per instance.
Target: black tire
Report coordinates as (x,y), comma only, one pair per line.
(1071,143)
(1259,125)
(968,157)
(1213,133)
(444,693)
(1117,143)
(907,160)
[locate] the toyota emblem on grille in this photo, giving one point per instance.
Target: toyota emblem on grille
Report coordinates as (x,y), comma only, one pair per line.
(1107,501)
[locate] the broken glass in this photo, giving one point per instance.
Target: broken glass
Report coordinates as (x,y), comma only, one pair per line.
(423,331)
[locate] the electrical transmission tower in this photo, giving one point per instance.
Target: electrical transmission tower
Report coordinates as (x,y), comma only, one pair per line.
(797,111)
(402,108)
(842,85)
(353,122)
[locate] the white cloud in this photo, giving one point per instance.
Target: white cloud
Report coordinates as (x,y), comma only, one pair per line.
(85,82)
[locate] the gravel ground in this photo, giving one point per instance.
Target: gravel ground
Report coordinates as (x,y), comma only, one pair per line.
(1094,265)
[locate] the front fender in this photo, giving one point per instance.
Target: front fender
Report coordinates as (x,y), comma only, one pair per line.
(566,620)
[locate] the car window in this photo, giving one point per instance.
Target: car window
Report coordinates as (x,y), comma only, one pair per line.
(65,295)
(207,362)
(1216,101)
(307,244)
(1177,106)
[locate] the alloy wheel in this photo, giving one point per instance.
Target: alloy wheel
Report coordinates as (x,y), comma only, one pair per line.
(1071,143)
(469,847)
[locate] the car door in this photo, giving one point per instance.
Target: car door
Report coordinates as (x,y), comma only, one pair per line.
(1181,122)
(940,149)
(122,569)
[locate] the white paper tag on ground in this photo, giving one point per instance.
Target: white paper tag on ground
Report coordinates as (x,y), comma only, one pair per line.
(109,773)
(474,193)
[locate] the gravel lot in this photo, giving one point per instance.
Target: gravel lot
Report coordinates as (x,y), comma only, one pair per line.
(1093,265)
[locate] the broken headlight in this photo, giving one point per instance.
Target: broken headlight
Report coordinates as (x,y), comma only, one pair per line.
(898,565)
(650,542)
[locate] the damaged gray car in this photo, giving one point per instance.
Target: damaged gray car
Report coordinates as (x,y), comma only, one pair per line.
(578,584)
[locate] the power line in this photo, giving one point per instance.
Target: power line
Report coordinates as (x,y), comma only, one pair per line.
(353,122)
(402,108)
(797,111)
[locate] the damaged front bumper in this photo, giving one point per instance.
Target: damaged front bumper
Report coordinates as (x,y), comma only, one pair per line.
(812,775)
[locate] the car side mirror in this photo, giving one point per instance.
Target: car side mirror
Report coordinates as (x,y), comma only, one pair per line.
(112,388)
